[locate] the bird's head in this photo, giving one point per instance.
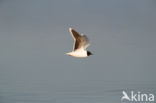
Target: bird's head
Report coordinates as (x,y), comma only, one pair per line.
(89,53)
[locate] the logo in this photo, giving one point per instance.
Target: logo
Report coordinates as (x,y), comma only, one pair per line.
(137,96)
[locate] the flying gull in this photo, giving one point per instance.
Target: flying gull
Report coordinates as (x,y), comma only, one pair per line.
(81,42)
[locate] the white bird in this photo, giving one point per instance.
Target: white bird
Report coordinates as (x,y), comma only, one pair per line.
(81,42)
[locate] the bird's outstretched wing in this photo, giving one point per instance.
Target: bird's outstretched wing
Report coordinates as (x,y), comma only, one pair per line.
(81,41)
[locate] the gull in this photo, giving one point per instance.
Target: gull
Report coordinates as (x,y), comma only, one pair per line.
(81,42)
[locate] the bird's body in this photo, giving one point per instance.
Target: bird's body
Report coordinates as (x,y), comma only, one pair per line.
(78,53)
(80,45)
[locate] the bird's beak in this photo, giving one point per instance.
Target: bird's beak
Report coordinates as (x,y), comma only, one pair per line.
(91,54)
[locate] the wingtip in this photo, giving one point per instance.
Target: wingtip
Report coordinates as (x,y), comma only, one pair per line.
(70,29)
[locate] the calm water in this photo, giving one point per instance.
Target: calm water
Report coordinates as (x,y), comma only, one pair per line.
(34,37)
(91,91)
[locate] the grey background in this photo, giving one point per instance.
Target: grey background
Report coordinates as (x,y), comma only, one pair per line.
(34,37)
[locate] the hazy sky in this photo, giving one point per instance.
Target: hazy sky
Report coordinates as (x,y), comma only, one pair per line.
(34,37)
